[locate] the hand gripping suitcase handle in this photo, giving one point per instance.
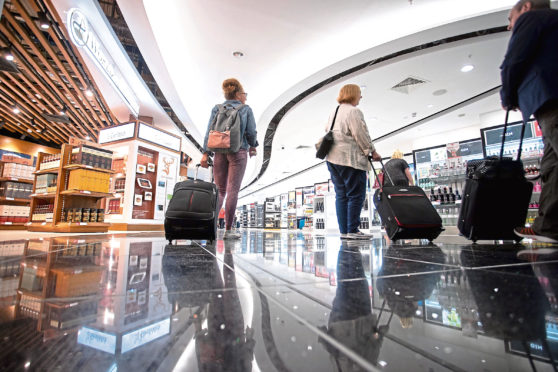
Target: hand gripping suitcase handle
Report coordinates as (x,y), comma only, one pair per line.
(210,163)
(376,175)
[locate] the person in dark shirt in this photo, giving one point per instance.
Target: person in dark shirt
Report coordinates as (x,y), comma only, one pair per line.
(530,83)
(398,170)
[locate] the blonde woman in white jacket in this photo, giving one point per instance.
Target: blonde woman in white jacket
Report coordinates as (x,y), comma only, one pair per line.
(348,162)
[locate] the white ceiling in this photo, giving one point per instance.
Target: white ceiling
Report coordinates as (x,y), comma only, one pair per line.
(290,46)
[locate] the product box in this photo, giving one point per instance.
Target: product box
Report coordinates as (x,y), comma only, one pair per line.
(69,284)
(92,156)
(89,180)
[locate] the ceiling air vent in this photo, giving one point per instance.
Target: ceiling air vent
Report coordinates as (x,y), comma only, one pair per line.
(56,118)
(408,85)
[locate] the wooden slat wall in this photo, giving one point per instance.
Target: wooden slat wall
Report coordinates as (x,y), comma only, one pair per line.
(53,76)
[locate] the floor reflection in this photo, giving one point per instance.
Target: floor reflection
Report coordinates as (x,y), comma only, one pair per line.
(276,300)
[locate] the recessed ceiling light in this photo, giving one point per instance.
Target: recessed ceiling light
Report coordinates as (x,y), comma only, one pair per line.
(43,21)
(238,54)
(439,92)
(467,68)
(87,138)
(15,110)
(89,93)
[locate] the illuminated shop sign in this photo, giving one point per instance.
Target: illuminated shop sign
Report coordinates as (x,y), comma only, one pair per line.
(85,37)
(144,335)
(97,340)
(154,135)
(117,133)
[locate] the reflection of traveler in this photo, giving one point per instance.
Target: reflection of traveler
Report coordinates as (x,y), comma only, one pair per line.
(224,345)
(512,308)
(399,171)
(530,83)
(228,168)
(351,320)
(403,293)
(347,161)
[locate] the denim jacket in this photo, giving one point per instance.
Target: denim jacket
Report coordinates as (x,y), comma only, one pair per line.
(247,126)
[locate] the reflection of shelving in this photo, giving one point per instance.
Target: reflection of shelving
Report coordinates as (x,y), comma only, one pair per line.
(88,167)
(86,193)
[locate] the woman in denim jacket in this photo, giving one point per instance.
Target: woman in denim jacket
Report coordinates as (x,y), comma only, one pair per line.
(229,168)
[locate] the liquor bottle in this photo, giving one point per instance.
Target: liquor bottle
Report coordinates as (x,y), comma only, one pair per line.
(446,196)
(440,196)
(457,196)
(452,195)
(432,195)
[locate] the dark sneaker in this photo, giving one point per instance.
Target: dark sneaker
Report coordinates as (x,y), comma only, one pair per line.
(529,233)
(359,235)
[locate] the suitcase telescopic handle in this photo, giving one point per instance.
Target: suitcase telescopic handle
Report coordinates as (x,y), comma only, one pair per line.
(504,137)
(376,175)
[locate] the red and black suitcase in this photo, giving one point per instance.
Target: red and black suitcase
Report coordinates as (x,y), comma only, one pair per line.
(496,196)
(406,212)
(192,212)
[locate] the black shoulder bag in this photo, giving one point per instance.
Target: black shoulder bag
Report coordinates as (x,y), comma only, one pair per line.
(327,141)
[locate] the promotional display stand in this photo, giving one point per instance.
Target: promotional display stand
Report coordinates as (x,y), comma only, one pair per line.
(147,163)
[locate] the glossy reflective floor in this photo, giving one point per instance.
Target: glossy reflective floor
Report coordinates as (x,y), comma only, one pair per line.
(276,301)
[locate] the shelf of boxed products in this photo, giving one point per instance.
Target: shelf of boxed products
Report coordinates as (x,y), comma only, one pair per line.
(88,167)
(20,180)
(86,193)
(80,182)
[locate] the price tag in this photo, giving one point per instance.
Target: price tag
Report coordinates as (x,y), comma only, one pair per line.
(14,179)
(44,223)
(28,223)
(89,166)
(86,192)
(82,223)
(7,223)
(9,198)
(458,202)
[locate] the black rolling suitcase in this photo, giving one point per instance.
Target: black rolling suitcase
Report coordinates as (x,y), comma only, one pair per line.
(496,196)
(192,212)
(406,212)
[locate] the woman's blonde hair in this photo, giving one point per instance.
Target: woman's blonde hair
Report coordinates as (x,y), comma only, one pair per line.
(406,322)
(349,94)
(231,87)
(397,154)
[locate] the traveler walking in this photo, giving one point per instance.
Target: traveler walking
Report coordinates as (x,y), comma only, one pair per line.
(230,147)
(348,162)
(398,170)
(530,83)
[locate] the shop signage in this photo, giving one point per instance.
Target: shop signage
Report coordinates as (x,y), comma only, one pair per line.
(161,138)
(494,136)
(144,335)
(84,36)
(117,133)
(97,340)
(470,148)
(422,156)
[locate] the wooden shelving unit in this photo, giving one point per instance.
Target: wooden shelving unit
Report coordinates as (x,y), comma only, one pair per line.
(13,201)
(68,199)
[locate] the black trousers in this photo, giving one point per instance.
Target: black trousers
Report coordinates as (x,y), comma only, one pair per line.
(546,223)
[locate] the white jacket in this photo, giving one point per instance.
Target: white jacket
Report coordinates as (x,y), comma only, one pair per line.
(351,141)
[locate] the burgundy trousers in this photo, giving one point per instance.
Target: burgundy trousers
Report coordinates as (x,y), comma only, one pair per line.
(228,171)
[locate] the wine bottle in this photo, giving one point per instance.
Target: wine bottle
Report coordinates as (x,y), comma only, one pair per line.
(457,196)
(451,195)
(440,196)
(446,196)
